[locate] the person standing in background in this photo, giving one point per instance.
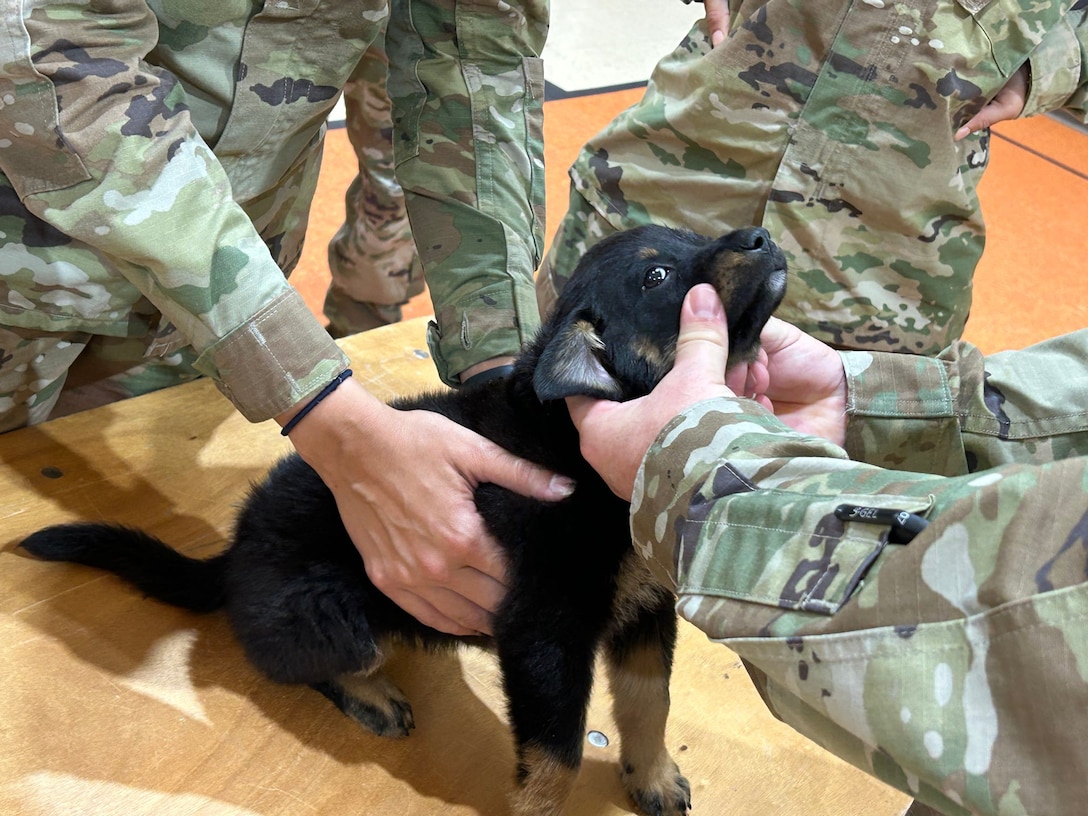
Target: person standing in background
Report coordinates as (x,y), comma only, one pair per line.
(855,132)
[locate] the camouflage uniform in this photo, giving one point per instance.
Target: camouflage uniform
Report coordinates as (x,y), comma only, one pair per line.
(375,269)
(831,125)
(953,667)
(159,160)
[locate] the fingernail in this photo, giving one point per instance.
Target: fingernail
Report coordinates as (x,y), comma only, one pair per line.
(562,486)
(716,38)
(962,132)
(704,302)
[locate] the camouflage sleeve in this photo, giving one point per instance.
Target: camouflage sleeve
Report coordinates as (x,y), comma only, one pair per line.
(468,89)
(920,661)
(960,412)
(99,146)
(1059,67)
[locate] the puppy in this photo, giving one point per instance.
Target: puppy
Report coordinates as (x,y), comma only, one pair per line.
(301,605)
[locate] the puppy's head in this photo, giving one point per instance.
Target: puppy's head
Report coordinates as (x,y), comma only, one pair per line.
(614,329)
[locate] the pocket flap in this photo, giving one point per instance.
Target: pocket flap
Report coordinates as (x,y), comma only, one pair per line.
(810,559)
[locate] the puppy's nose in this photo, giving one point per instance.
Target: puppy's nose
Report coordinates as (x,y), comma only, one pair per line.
(751,239)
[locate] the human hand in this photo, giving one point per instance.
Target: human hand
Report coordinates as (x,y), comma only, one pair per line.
(403,483)
(803,379)
(616,435)
(717,20)
(1008,103)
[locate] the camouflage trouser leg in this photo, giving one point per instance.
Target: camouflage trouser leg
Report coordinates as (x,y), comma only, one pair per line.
(33,369)
(372,257)
(44,375)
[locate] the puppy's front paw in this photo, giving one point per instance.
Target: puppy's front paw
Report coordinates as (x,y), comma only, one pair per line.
(662,792)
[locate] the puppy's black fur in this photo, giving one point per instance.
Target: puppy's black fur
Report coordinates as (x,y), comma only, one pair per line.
(298,596)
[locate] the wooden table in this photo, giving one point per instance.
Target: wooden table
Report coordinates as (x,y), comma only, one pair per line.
(115,704)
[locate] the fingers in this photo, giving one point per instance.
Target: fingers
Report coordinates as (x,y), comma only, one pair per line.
(717,20)
(777,334)
(1008,103)
(580,408)
(451,613)
(736,379)
(500,467)
(991,114)
(453,588)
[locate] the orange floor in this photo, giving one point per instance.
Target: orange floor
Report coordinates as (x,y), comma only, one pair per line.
(1034,196)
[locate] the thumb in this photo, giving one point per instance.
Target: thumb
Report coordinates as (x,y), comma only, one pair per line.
(703,345)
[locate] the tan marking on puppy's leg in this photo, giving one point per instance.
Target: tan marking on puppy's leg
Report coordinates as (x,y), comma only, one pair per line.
(387,711)
(544,786)
(640,707)
(639,681)
(372,699)
(636,590)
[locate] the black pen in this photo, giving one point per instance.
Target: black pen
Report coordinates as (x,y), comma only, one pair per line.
(904,524)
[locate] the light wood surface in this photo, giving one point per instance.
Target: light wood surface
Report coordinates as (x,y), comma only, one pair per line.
(115,704)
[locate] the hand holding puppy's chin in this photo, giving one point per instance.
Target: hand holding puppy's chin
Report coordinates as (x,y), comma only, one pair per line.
(616,435)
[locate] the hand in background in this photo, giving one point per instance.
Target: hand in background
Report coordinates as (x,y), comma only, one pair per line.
(1007,104)
(717,20)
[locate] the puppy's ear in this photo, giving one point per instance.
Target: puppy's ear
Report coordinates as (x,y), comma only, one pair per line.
(574,362)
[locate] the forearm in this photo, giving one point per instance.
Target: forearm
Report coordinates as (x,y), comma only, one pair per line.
(726,475)
(257,339)
(835,623)
(841,584)
(468,137)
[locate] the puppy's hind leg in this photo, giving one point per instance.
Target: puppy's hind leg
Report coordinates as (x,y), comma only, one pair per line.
(638,652)
(371,699)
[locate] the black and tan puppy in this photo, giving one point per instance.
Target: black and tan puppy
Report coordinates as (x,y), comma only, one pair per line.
(299,599)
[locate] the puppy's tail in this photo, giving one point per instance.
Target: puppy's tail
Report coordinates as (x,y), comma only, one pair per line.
(141,559)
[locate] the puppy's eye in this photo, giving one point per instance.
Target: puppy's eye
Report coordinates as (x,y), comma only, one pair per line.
(655,276)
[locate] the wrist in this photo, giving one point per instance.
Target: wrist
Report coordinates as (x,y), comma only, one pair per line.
(298,413)
(348,413)
(485,366)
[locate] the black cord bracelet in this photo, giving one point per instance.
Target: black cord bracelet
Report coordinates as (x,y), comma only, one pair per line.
(328,389)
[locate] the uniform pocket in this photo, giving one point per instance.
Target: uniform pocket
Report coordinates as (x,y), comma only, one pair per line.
(812,559)
(34,154)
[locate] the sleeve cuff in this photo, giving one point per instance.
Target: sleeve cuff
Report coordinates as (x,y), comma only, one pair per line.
(277,359)
(494,322)
(684,456)
(902,412)
(1055,70)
